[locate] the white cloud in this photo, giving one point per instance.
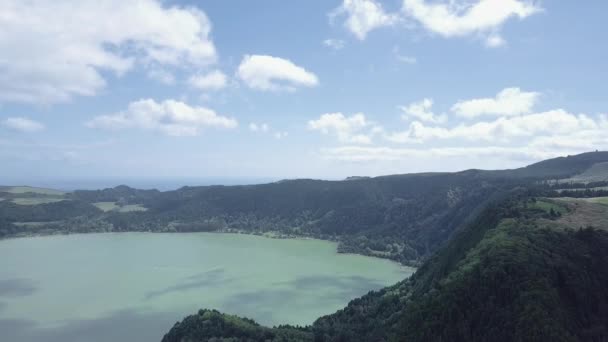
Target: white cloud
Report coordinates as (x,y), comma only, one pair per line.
(24,125)
(213,80)
(346,129)
(460,18)
(508,102)
(495,40)
(364,154)
(263,127)
(263,72)
(162,76)
(335,44)
(504,129)
(54,50)
(363,16)
(170,117)
(520,136)
(422,111)
(280,135)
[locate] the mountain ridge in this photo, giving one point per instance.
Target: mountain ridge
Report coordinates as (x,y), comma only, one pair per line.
(402,217)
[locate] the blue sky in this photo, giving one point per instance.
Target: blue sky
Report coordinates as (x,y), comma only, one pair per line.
(272,89)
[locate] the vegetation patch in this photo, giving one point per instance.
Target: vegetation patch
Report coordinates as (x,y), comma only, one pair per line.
(113,206)
(106,206)
(600,200)
(30,189)
(548,206)
(596,173)
(35,224)
(131,207)
(36,200)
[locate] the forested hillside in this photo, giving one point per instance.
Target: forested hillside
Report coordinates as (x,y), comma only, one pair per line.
(521,271)
(402,217)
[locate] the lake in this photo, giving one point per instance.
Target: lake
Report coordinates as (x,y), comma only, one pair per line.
(135,286)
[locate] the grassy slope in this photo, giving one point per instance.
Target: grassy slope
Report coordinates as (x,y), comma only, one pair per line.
(30,189)
(110,206)
(596,173)
(600,200)
(35,200)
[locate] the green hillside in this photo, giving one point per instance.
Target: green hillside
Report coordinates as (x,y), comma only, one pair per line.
(504,255)
(401,217)
(516,273)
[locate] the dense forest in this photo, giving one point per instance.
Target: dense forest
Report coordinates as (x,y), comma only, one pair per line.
(514,273)
(402,217)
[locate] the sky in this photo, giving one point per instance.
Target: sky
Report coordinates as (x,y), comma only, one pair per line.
(273,89)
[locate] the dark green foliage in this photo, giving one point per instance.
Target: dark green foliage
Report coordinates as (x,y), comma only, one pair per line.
(583,193)
(502,278)
(121,193)
(578,185)
(12,212)
(211,325)
(520,284)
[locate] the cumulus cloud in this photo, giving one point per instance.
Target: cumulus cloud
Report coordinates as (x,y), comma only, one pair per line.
(503,129)
(494,40)
(54,50)
(170,117)
(448,18)
(508,102)
(213,80)
(348,129)
(460,18)
(363,16)
(422,111)
(24,125)
(518,134)
(378,154)
(263,127)
(335,44)
(263,72)
(280,135)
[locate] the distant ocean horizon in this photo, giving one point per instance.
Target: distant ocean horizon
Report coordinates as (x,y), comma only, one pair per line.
(163,184)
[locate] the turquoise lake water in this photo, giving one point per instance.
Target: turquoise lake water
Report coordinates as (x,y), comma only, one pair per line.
(135,286)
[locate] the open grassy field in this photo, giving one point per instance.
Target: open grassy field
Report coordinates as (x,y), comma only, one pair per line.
(596,173)
(585,212)
(600,200)
(583,189)
(26,189)
(546,205)
(36,201)
(108,206)
(33,224)
(132,207)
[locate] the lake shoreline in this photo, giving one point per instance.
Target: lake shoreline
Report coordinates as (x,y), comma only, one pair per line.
(77,281)
(268,235)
